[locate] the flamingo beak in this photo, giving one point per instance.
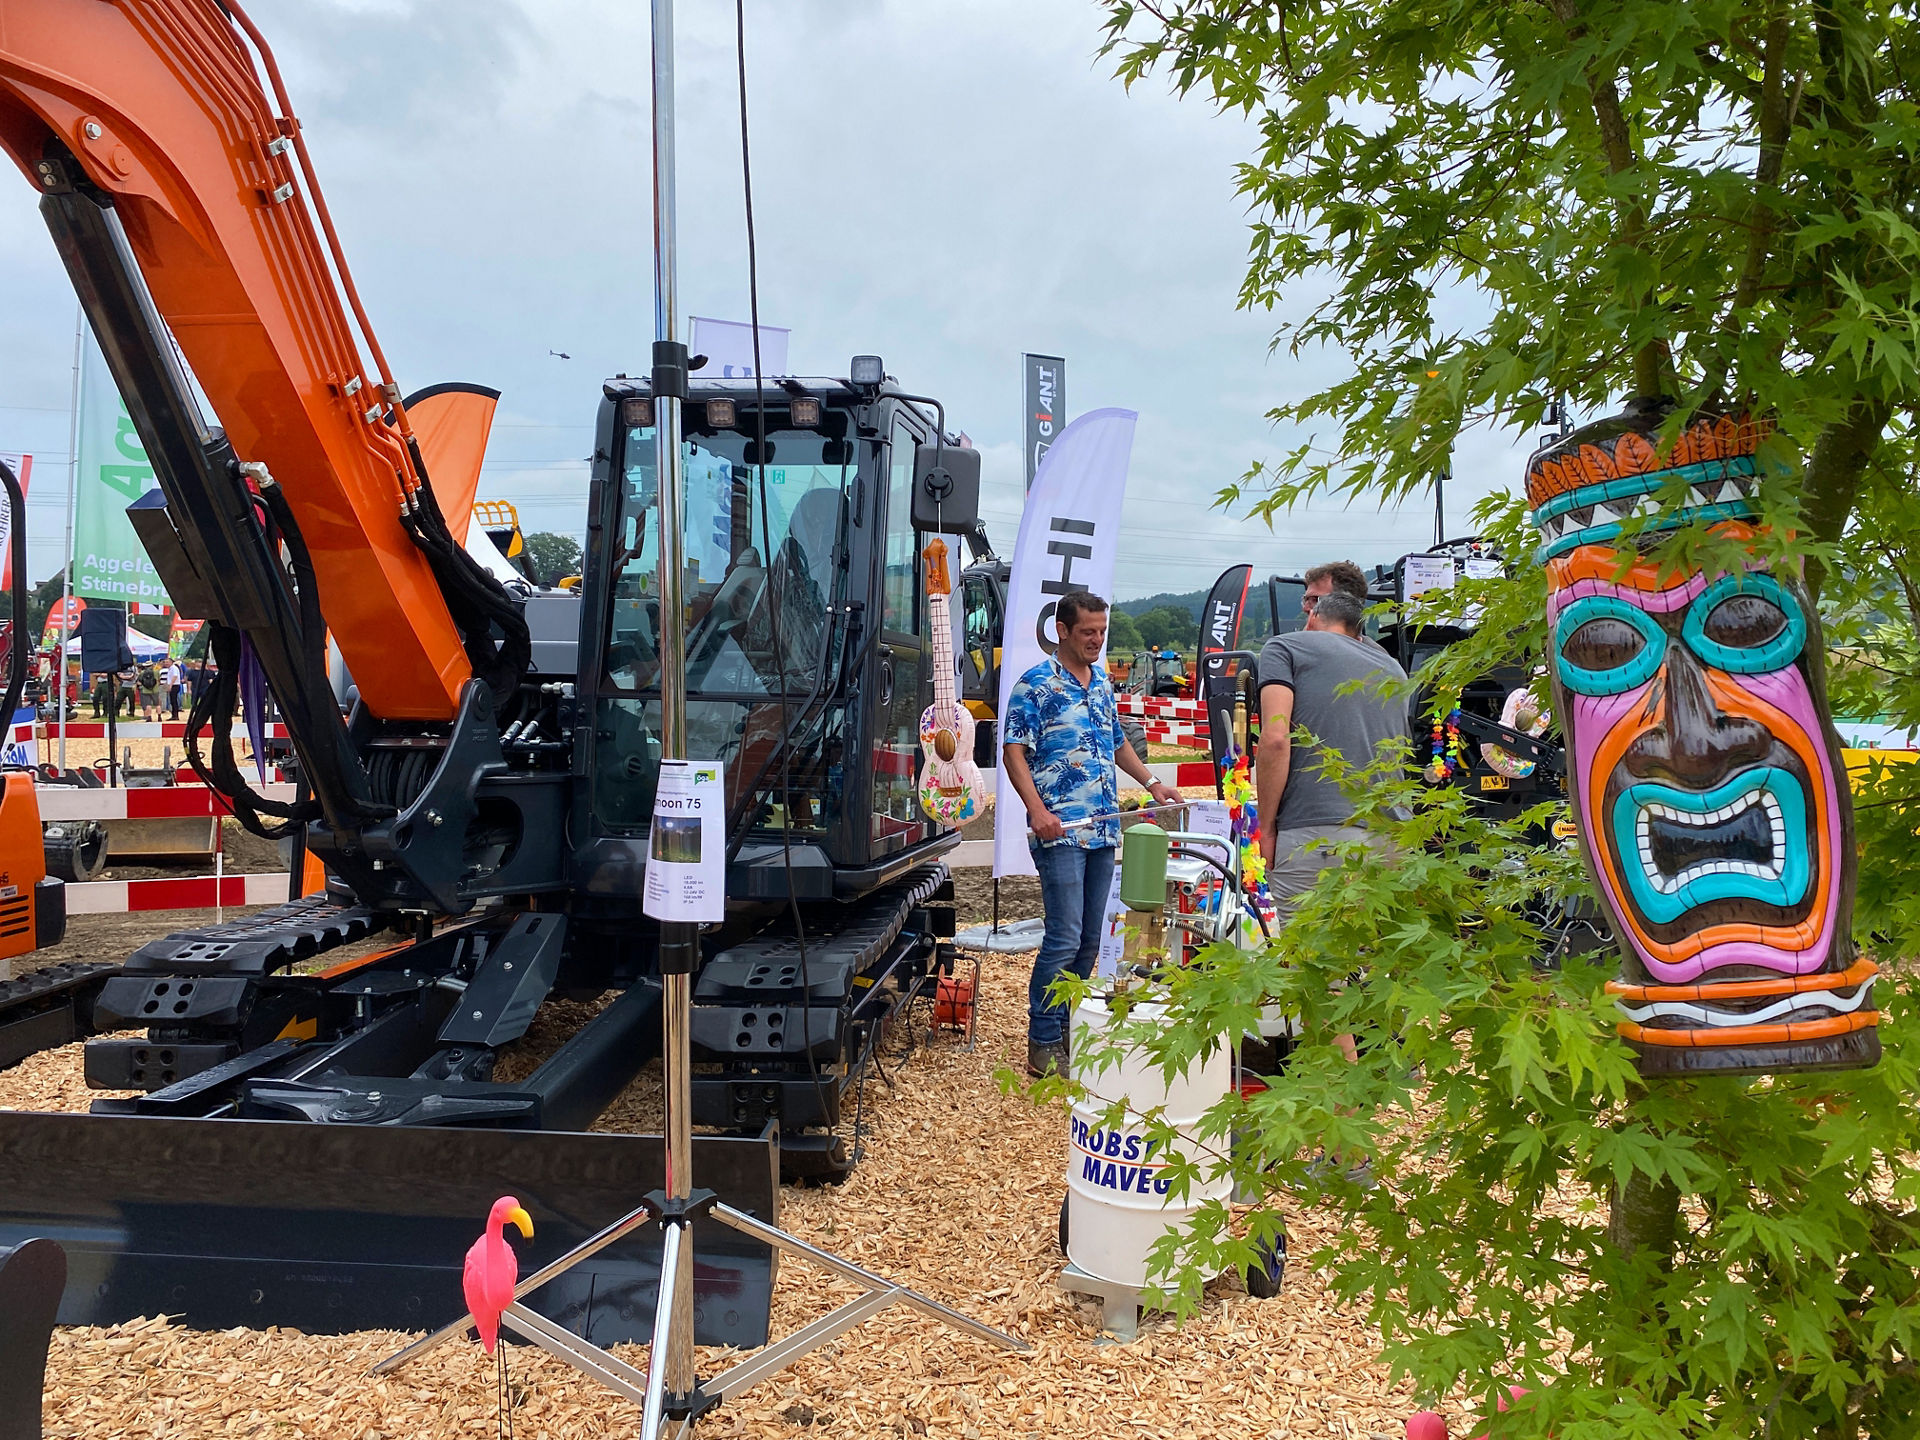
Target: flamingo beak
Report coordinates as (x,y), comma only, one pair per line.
(519,1217)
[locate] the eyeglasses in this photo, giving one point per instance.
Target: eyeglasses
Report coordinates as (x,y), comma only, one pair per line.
(1307,602)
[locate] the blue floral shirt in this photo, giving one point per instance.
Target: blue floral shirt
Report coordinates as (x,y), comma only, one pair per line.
(1070,731)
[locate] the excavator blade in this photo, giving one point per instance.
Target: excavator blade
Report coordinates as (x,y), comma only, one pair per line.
(333,1228)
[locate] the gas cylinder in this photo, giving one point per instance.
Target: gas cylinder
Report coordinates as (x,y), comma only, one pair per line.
(1117,1203)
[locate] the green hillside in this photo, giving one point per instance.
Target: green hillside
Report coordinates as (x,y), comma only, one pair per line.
(1189,602)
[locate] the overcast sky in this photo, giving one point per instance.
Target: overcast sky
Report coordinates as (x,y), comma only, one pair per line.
(943,182)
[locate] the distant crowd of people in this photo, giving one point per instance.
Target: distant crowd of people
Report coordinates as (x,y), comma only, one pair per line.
(158,689)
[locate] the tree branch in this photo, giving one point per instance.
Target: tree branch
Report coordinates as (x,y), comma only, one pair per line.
(1833,474)
(1775,119)
(1652,364)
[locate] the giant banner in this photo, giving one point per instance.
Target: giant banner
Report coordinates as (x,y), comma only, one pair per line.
(1043,387)
(108,562)
(1069,540)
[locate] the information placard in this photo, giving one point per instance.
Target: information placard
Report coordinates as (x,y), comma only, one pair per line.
(687,853)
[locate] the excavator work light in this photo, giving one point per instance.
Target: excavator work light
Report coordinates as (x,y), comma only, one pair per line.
(636,411)
(868,372)
(805,411)
(721,414)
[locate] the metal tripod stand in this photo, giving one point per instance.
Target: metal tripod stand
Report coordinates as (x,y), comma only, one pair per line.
(669,1394)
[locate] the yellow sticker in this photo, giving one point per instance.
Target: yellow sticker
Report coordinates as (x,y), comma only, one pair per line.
(300,1030)
(1493,782)
(1565,829)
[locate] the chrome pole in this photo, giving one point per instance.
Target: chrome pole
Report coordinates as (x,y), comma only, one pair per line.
(679,943)
(66,573)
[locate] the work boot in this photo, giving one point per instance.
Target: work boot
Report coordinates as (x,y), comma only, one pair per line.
(1047,1059)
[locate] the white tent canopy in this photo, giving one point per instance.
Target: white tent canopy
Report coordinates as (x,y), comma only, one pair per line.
(144,647)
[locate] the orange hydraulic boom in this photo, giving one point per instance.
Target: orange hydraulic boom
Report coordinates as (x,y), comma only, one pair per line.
(181,200)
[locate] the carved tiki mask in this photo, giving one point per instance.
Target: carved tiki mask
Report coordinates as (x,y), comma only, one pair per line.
(1705,776)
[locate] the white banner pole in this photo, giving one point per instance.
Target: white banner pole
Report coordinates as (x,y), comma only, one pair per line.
(1069,540)
(73,489)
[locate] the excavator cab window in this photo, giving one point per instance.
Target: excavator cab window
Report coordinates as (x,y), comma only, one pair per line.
(760,549)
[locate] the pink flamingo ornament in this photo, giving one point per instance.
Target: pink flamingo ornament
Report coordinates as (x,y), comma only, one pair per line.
(1430,1425)
(492,1270)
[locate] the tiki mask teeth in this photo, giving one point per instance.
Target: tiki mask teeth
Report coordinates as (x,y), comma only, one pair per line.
(1746,837)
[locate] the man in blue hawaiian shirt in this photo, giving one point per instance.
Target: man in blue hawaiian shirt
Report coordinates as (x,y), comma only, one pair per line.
(1060,740)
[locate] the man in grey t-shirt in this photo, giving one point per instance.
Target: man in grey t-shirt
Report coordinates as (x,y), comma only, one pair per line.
(1301,674)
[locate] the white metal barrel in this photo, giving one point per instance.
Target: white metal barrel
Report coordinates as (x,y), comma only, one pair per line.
(1117,1204)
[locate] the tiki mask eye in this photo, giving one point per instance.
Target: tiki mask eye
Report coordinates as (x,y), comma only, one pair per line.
(1746,625)
(1744,622)
(1603,643)
(1605,646)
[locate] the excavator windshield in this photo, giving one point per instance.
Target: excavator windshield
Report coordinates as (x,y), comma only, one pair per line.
(760,547)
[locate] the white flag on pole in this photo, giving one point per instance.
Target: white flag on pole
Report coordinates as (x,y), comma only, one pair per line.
(22,467)
(1069,540)
(728,346)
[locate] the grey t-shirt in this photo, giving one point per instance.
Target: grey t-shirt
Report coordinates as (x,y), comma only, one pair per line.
(1315,664)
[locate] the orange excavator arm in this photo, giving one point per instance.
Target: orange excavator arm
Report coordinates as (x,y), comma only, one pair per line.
(153,112)
(180,197)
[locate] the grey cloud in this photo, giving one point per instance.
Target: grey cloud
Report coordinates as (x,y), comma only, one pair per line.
(946,182)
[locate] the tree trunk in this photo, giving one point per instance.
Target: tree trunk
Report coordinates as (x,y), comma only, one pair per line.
(1839,458)
(1646,1216)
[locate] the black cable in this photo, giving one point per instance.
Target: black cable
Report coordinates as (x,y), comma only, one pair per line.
(1197,852)
(773,598)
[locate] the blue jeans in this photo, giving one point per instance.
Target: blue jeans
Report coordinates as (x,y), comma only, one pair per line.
(1073,886)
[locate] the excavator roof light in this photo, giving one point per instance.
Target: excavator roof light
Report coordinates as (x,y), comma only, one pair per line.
(636,412)
(805,411)
(868,372)
(721,413)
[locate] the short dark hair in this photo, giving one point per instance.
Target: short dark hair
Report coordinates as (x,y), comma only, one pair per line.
(1340,611)
(1347,578)
(1073,605)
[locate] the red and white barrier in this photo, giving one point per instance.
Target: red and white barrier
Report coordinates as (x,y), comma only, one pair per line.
(134,730)
(193,892)
(1160,707)
(1167,720)
(164,802)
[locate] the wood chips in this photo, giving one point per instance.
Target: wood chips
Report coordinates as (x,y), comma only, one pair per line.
(958,1195)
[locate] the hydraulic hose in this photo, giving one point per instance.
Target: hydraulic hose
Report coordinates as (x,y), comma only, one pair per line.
(17,661)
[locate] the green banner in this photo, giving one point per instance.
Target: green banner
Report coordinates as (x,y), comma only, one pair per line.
(108,561)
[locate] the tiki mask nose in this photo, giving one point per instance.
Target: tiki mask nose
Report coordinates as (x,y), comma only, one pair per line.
(1696,744)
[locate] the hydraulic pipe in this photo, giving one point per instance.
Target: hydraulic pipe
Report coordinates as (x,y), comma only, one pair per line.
(19,653)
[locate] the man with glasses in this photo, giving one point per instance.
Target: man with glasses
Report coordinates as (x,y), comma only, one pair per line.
(1341,575)
(1350,696)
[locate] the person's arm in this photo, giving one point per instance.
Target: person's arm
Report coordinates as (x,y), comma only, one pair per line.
(1043,822)
(1274,760)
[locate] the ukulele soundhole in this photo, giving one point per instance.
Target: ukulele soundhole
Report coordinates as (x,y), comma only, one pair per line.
(944,745)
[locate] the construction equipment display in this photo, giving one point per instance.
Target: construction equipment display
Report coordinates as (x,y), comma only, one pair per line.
(300,1127)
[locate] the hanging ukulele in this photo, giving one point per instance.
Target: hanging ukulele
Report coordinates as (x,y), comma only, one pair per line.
(951,791)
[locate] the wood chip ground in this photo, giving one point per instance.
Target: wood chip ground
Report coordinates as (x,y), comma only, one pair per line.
(958,1195)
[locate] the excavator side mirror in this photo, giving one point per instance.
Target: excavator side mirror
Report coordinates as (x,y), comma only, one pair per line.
(946,488)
